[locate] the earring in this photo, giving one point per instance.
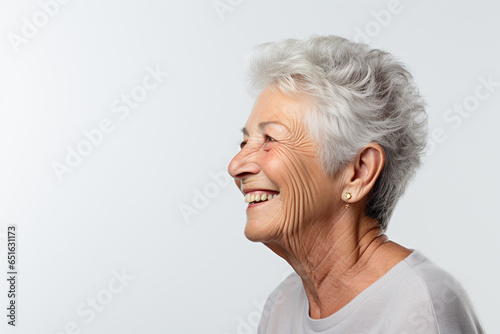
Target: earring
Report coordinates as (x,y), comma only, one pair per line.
(347,196)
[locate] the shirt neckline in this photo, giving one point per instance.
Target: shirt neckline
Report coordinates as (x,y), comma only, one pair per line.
(319,325)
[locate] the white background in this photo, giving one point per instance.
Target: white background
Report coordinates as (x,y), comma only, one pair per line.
(119,209)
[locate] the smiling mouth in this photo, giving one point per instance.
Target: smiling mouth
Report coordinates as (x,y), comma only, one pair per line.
(259,198)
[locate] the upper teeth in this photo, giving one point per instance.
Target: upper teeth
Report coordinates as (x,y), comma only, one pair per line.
(259,197)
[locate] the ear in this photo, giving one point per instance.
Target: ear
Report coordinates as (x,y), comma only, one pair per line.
(364,171)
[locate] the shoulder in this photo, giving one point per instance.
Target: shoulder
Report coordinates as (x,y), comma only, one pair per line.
(282,303)
(285,292)
(439,292)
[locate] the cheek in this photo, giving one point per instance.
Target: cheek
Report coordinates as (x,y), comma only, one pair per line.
(279,166)
(299,179)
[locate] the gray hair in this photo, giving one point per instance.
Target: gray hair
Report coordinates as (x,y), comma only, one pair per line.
(360,95)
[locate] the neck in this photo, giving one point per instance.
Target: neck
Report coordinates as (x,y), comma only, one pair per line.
(337,260)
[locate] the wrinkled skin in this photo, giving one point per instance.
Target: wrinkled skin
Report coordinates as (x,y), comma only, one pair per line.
(289,163)
(337,251)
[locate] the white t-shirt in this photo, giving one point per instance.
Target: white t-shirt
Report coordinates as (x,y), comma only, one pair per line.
(415,296)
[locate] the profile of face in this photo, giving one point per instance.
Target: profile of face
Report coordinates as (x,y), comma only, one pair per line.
(279,163)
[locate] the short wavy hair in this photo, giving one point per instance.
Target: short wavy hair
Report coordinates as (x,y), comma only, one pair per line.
(359,95)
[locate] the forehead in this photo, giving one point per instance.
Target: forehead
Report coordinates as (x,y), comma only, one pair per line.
(275,106)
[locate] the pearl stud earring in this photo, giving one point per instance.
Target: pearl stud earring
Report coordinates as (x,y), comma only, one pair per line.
(347,196)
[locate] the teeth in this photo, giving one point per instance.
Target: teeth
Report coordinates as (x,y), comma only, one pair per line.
(259,198)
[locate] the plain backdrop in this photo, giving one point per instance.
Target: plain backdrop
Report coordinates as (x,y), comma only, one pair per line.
(143,233)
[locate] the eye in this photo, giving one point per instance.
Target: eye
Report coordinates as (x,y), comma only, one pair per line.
(269,138)
(242,144)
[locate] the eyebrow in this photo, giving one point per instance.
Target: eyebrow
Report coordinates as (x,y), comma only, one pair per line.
(262,125)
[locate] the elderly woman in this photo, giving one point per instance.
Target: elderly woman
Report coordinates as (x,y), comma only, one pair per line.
(335,134)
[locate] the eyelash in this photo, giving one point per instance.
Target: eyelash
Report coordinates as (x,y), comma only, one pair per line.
(269,138)
(266,137)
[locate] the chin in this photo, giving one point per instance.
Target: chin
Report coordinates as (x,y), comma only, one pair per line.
(258,232)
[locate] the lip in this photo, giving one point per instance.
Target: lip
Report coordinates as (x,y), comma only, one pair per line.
(255,204)
(255,191)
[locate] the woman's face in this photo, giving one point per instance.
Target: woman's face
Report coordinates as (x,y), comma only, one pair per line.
(279,159)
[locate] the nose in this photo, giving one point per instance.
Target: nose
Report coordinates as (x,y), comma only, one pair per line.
(243,165)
